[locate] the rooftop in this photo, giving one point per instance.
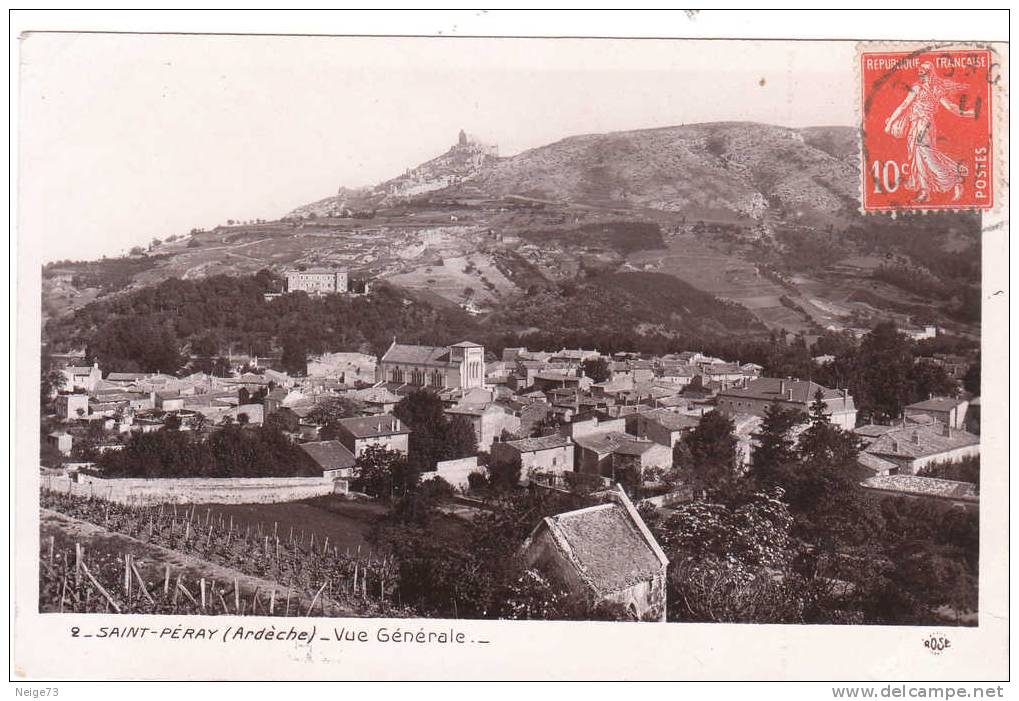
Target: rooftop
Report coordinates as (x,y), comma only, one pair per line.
(609,545)
(614,442)
(329,455)
(777,389)
(936,404)
(671,419)
(924,486)
(530,445)
(316,271)
(368,426)
(418,355)
(921,440)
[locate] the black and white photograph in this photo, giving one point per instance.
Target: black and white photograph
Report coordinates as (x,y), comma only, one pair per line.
(387,336)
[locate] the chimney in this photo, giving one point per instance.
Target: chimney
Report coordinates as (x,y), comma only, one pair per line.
(789,395)
(947,431)
(895,446)
(781,386)
(916,437)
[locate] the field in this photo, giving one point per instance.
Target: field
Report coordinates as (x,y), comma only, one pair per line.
(695,261)
(346,523)
(122,554)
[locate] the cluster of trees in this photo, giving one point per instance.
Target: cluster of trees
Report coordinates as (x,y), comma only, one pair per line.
(639,302)
(158,327)
(233,451)
(796,539)
(434,436)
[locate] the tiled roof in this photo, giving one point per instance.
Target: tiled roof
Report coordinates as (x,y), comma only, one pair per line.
(770,388)
(924,486)
(919,441)
(368,426)
(316,271)
(607,547)
(330,455)
(672,420)
(936,404)
(530,445)
(723,369)
(873,462)
(614,442)
(418,355)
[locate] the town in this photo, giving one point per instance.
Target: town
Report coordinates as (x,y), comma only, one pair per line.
(544,483)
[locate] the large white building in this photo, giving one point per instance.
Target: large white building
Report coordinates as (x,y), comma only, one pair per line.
(317,281)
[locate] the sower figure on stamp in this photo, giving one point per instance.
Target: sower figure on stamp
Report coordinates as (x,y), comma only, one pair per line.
(929,168)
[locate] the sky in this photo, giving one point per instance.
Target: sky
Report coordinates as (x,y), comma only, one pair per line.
(128,137)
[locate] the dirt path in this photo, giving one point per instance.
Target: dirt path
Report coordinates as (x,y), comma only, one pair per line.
(67,529)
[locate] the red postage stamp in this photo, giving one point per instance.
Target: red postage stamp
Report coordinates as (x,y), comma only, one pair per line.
(927,130)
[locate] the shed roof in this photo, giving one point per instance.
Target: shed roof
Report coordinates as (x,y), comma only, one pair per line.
(329,455)
(936,404)
(609,545)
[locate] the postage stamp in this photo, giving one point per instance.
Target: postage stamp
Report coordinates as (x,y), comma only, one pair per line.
(926,132)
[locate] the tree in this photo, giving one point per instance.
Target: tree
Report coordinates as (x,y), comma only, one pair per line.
(724,558)
(51,382)
(294,358)
(433,437)
(708,455)
(284,419)
(931,380)
(775,447)
(384,473)
(971,380)
(461,441)
(822,443)
(504,475)
(884,366)
(597,369)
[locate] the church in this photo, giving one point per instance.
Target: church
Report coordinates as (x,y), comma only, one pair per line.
(460,366)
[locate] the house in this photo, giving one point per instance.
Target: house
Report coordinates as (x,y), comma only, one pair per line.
(81,378)
(608,453)
(946,410)
(461,365)
(358,433)
(60,440)
(605,554)
(680,375)
(723,372)
(334,459)
(755,396)
(911,447)
(376,400)
(545,454)
(488,421)
(661,426)
(126,379)
(317,281)
(168,400)
(71,406)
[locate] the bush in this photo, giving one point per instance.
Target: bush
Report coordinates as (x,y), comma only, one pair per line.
(477,480)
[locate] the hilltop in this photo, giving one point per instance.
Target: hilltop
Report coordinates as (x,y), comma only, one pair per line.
(759,215)
(742,169)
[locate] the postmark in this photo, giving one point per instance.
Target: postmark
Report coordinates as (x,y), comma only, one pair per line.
(927,122)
